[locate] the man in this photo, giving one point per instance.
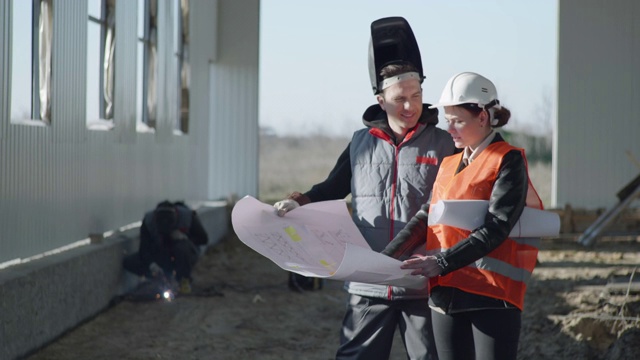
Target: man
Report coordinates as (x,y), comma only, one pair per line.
(388,168)
(170,236)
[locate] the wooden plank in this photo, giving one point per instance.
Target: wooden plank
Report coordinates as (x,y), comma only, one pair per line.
(593,316)
(620,288)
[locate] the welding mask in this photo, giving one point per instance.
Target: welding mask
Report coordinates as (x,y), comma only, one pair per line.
(392,42)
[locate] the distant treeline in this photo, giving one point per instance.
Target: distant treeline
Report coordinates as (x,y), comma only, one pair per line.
(295,163)
(537,147)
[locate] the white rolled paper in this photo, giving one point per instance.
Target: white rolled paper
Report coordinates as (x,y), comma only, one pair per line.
(470,214)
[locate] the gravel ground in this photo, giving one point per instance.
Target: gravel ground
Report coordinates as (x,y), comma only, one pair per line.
(243,310)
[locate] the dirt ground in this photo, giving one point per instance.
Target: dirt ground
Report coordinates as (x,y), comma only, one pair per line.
(246,311)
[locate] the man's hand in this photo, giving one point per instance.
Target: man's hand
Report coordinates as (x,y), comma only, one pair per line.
(284,206)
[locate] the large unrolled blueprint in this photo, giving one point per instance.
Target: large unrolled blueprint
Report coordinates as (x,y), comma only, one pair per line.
(317,240)
(470,214)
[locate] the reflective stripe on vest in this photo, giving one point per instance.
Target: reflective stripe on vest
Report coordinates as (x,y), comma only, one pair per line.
(504,272)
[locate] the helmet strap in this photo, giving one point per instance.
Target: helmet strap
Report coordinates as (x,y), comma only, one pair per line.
(491,104)
(398,78)
(489,109)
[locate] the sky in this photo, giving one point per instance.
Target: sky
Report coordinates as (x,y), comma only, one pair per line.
(314,75)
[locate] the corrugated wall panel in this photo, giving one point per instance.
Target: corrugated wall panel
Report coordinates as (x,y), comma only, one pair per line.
(63,184)
(4,72)
(59,183)
(598,120)
(234,101)
(204,13)
(165,71)
(69,33)
(125,64)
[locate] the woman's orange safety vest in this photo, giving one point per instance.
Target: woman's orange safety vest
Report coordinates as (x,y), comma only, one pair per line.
(504,272)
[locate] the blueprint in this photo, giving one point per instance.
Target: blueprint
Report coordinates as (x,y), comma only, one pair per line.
(317,240)
(470,214)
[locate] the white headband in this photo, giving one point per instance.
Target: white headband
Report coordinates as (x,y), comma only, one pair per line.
(398,78)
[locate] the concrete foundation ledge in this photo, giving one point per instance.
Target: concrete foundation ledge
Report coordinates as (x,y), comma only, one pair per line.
(42,299)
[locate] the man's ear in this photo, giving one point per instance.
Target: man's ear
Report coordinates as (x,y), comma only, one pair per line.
(380,100)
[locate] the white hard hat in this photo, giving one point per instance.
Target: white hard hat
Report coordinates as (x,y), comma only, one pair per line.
(469,87)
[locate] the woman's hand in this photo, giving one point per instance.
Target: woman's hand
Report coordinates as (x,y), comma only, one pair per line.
(422,265)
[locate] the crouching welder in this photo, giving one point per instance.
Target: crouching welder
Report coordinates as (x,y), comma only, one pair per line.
(170,236)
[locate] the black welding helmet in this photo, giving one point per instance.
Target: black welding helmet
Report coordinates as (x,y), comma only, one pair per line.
(392,42)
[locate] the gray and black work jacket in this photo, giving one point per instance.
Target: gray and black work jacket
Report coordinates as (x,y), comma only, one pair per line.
(388,181)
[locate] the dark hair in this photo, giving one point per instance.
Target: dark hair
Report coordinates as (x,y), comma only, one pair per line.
(166,216)
(166,219)
(502,115)
(167,203)
(397,69)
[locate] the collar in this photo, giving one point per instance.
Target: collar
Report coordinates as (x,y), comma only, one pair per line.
(469,155)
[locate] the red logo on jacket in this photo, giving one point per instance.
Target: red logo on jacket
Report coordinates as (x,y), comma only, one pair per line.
(426,160)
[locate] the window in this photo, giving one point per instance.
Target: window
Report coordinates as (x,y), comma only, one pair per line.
(146,101)
(31,65)
(181,51)
(100,63)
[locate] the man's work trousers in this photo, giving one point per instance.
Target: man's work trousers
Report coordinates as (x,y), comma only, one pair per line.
(181,259)
(370,323)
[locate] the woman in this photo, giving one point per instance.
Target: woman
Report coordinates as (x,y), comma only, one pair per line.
(478,278)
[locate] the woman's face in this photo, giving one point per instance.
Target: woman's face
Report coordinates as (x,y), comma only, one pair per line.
(465,128)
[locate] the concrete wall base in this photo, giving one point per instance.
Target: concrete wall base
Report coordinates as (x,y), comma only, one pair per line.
(42,299)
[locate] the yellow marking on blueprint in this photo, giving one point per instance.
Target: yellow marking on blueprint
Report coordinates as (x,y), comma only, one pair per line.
(293,234)
(331,267)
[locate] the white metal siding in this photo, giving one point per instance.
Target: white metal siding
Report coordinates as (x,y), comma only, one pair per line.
(4,73)
(233,79)
(204,14)
(598,118)
(61,182)
(68,91)
(125,71)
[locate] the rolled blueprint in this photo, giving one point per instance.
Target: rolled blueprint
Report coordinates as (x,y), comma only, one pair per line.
(470,214)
